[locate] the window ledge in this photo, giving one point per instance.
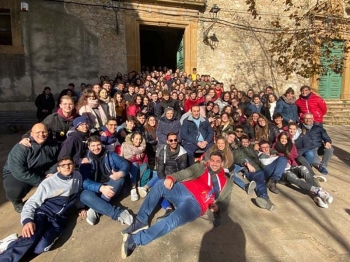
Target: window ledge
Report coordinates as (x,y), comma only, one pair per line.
(11,49)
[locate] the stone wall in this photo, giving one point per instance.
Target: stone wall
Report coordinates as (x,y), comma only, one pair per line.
(242,57)
(58,49)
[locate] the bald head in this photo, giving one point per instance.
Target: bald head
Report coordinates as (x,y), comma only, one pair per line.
(39,133)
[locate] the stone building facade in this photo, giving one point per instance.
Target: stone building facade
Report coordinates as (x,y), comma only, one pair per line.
(55,43)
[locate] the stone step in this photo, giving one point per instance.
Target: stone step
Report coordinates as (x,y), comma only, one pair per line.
(336,119)
(337,101)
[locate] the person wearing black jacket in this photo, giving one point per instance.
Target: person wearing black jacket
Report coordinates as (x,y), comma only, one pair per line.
(166,102)
(75,145)
(45,103)
(172,157)
(57,123)
(26,167)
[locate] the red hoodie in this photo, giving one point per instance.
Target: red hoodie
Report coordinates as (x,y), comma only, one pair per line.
(202,188)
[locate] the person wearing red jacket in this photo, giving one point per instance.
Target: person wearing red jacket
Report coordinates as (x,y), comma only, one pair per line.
(308,102)
(218,90)
(192,101)
(134,107)
(194,191)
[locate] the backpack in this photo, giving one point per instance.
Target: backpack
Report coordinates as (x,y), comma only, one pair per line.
(145,174)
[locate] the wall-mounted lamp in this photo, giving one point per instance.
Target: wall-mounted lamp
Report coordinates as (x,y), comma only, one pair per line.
(213,12)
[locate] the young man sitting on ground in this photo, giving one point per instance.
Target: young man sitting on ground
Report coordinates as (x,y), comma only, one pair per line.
(194,191)
(44,215)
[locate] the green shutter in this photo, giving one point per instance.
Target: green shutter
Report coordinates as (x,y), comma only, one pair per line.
(180,55)
(330,84)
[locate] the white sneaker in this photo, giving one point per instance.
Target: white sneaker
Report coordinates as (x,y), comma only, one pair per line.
(125,218)
(133,194)
(142,191)
(92,217)
(325,196)
(320,202)
(4,243)
(321,179)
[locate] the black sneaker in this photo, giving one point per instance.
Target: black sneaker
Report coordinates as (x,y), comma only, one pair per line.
(265,203)
(167,213)
(128,246)
(272,185)
(18,206)
(135,227)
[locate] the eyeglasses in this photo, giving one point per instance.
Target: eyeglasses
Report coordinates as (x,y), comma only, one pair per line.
(264,147)
(173,140)
(66,165)
(239,131)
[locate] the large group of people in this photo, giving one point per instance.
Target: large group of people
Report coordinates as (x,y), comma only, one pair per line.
(173,138)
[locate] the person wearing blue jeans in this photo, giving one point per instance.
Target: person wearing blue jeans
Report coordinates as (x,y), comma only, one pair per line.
(320,143)
(164,202)
(104,174)
(255,171)
(203,189)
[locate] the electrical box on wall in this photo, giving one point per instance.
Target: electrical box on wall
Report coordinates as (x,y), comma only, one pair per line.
(24,6)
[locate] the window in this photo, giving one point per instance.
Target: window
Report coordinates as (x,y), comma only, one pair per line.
(5,27)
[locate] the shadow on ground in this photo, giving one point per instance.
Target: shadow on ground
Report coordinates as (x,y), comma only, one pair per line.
(343,155)
(347,211)
(225,242)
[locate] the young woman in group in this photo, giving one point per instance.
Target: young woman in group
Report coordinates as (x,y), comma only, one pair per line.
(300,175)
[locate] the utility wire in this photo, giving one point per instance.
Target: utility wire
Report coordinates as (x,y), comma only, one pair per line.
(201,18)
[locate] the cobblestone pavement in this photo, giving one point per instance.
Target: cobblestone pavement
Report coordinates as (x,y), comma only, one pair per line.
(297,230)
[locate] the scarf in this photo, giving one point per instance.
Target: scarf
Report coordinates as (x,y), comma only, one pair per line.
(107,100)
(288,101)
(216,182)
(308,127)
(100,167)
(306,97)
(172,155)
(94,118)
(93,103)
(283,149)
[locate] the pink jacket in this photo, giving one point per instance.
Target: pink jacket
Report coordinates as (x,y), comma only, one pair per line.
(132,110)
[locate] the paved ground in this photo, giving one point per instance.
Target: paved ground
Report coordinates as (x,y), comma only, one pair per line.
(297,230)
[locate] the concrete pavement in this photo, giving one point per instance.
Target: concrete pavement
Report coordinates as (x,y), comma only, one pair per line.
(297,230)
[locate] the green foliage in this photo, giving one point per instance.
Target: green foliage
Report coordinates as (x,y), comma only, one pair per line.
(308,34)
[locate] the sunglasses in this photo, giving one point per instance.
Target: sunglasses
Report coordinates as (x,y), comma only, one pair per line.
(172,140)
(239,131)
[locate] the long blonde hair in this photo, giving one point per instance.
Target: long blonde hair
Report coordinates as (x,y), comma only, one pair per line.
(228,154)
